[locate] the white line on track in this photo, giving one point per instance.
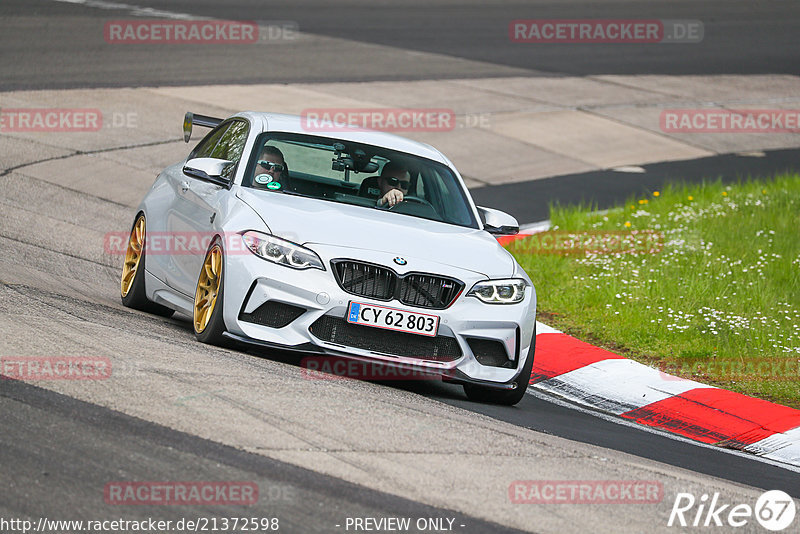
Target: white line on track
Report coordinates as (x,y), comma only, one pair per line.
(138,11)
(624,422)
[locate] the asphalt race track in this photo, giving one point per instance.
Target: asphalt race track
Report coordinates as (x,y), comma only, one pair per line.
(88,440)
(66,53)
(321,452)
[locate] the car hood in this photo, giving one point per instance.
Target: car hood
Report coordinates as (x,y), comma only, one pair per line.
(309,221)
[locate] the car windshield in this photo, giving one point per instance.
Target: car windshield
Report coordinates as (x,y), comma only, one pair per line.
(351,173)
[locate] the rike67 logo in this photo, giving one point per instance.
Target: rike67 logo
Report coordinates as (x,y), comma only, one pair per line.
(774,510)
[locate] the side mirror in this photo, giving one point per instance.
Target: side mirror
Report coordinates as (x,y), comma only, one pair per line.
(498,222)
(210,169)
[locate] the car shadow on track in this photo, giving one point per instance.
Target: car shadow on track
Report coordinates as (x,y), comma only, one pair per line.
(426,386)
(431,387)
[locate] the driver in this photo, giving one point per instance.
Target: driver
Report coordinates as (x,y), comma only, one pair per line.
(393,182)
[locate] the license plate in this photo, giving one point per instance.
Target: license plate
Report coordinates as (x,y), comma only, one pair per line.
(392,319)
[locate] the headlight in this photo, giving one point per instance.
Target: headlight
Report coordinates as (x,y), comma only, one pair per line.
(280,251)
(509,291)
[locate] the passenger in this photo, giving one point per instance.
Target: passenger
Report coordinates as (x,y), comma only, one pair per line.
(271,169)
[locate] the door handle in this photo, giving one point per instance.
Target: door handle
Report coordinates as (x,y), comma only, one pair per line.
(184,187)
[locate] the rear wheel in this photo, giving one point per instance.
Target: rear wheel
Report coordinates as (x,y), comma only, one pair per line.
(501,396)
(209,324)
(132,288)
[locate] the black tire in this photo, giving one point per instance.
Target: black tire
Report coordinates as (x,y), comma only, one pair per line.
(136,296)
(215,327)
(505,397)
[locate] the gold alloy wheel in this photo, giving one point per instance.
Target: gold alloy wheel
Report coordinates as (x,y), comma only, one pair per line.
(207,288)
(133,256)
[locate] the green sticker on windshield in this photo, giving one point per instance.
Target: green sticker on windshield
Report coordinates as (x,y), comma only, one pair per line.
(274,185)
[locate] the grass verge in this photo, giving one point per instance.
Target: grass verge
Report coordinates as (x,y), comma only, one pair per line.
(701,281)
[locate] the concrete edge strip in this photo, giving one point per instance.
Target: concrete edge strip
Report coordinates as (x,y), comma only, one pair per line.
(601,380)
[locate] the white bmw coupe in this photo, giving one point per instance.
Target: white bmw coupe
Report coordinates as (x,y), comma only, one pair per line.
(359,244)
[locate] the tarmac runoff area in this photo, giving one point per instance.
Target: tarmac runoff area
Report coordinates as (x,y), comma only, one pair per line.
(497,131)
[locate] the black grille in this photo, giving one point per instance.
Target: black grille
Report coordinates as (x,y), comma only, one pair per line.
(274,314)
(381,283)
(337,330)
(428,291)
(366,280)
(489,352)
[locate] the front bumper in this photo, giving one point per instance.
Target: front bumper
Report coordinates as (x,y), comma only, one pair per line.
(251,282)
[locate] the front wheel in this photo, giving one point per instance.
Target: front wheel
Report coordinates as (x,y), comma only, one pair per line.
(132,289)
(505,397)
(209,324)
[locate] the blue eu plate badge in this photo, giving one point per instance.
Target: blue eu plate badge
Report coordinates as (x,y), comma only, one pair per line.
(355,308)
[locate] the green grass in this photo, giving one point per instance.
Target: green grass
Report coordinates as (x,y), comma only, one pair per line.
(718,303)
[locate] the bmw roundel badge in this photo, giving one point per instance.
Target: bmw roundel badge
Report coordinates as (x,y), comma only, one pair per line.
(400,261)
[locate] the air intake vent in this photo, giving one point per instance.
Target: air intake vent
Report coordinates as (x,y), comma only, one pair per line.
(489,352)
(273,314)
(337,330)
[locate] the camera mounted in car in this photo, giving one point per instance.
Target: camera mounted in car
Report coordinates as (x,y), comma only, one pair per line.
(355,160)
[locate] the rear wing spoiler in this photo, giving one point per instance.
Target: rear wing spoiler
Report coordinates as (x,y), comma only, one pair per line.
(201,120)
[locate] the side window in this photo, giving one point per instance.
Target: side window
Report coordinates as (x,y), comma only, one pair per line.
(453,204)
(225,142)
(205,147)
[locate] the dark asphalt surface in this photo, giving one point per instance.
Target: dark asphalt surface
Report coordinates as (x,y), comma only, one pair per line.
(551,418)
(530,201)
(740,37)
(58,453)
(556,419)
(49,44)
